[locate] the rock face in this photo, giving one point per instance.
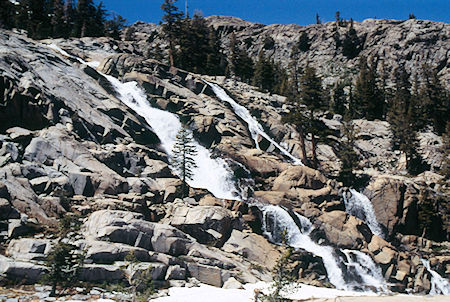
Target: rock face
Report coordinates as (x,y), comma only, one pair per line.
(411,42)
(70,148)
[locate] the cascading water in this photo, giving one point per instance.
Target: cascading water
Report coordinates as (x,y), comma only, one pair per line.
(360,206)
(254,127)
(364,266)
(211,174)
(439,285)
(215,176)
(358,264)
(276,220)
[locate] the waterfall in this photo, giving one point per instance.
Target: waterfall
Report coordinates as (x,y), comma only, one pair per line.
(361,207)
(439,285)
(358,265)
(216,176)
(211,174)
(255,128)
(364,266)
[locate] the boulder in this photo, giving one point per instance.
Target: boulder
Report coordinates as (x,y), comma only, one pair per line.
(232,283)
(99,273)
(130,228)
(343,230)
(175,272)
(102,252)
(18,271)
(299,177)
(253,247)
(206,274)
(207,224)
(28,249)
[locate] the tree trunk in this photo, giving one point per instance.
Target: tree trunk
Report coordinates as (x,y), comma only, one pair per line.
(303,146)
(171,62)
(53,291)
(314,156)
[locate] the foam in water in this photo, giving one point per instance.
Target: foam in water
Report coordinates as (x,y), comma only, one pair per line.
(360,206)
(439,285)
(215,176)
(276,220)
(365,267)
(211,174)
(254,127)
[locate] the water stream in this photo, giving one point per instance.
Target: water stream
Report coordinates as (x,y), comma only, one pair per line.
(215,175)
(439,285)
(255,128)
(361,207)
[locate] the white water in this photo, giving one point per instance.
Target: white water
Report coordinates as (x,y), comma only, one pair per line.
(439,285)
(255,128)
(276,220)
(211,174)
(215,176)
(361,207)
(365,267)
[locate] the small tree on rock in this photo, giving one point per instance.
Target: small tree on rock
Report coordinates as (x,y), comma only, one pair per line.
(183,156)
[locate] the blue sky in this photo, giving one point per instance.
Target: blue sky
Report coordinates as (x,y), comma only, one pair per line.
(289,11)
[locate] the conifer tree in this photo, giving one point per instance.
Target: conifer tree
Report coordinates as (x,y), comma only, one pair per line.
(183,160)
(114,26)
(241,64)
(436,99)
(338,98)
(368,98)
(347,155)
(6,14)
(303,42)
(264,74)
(351,44)
(171,26)
(402,123)
(59,26)
(311,95)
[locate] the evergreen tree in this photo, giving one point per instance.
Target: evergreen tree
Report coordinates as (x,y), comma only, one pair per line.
(347,155)
(114,26)
(338,98)
(351,44)
(241,64)
(59,26)
(183,156)
(436,99)
(264,74)
(311,95)
(318,21)
(6,14)
(171,26)
(368,98)
(402,123)
(303,42)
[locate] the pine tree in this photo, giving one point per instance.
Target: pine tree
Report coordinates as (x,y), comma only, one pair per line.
(303,42)
(59,26)
(241,64)
(351,44)
(171,26)
(436,99)
(114,26)
(402,123)
(183,160)
(264,74)
(6,14)
(338,98)
(311,95)
(368,99)
(347,155)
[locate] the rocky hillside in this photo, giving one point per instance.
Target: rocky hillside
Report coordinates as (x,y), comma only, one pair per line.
(70,146)
(389,42)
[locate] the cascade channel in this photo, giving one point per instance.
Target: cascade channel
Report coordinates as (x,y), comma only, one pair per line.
(439,285)
(361,207)
(255,128)
(215,175)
